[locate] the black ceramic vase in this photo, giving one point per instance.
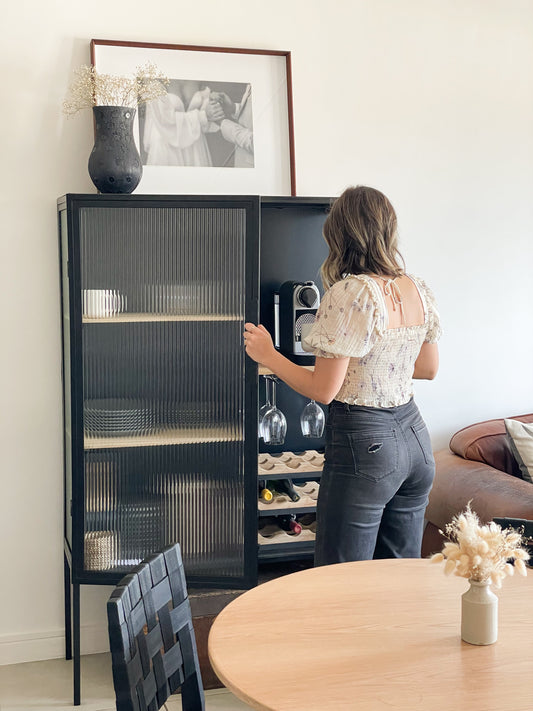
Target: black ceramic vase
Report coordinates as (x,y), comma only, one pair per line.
(114,164)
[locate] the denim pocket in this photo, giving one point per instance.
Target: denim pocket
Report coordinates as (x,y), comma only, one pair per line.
(421,433)
(375,454)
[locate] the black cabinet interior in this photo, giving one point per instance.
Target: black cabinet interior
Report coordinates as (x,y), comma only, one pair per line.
(292,249)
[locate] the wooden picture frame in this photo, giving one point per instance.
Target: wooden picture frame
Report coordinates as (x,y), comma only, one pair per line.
(225,126)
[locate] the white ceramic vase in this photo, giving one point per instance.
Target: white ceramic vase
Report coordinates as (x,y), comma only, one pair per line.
(479,614)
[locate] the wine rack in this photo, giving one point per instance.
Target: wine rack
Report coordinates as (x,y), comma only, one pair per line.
(308,492)
(283,538)
(289,463)
(304,469)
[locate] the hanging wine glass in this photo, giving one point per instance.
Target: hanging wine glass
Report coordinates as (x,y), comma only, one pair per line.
(264,408)
(274,424)
(312,420)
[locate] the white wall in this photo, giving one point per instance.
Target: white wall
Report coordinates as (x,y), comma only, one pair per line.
(428,100)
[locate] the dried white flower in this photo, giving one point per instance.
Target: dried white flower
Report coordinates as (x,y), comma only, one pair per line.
(449,567)
(90,88)
(481,553)
(520,567)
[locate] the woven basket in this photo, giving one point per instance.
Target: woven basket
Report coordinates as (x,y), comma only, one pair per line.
(100,550)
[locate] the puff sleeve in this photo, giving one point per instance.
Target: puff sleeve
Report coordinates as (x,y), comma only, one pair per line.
(348,321)
(434,330)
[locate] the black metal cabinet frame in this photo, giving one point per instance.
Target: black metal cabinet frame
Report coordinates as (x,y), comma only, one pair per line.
(282,240)
(70,209)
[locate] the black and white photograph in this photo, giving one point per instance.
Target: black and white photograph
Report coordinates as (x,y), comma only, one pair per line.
(199,124)
(224,124)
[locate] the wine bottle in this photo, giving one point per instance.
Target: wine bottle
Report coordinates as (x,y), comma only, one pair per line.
(285,486)
(289,524)
(266,493)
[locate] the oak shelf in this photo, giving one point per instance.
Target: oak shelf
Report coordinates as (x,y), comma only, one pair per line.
(171,437)
(156,318)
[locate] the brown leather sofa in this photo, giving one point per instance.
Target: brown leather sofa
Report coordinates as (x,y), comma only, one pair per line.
(479,467)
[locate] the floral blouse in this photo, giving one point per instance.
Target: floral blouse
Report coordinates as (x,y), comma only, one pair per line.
(352,321)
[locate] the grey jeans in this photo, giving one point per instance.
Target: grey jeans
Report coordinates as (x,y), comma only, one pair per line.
(378,472)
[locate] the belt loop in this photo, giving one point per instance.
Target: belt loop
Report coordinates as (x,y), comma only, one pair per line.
(346,407)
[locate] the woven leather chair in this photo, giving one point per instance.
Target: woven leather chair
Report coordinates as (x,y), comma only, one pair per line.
(153,648)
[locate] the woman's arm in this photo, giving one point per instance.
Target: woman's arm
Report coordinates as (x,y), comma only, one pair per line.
(321,384)
(427,363)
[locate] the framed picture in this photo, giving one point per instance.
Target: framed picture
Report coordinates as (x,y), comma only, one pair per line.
(225,125)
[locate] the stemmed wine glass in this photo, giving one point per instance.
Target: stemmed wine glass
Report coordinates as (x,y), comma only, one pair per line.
(264,408)
(273,424)
(312,420)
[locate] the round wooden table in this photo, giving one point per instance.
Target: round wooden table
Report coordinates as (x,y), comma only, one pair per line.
(373,635)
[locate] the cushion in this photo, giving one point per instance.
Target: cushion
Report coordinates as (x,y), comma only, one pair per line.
(488,442)
(521,442)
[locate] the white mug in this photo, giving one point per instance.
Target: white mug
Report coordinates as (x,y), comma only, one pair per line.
(305,329)
(102,303)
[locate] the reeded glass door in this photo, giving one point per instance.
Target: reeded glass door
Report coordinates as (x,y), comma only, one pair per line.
(164,297)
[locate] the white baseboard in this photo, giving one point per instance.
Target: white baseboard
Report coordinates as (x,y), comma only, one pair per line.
(36,646)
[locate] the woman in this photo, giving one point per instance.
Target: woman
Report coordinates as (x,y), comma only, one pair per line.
(375,330)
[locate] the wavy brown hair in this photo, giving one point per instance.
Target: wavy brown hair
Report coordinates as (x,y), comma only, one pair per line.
(361,233)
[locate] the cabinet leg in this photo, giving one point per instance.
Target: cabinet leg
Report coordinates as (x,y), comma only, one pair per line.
(76,642)
(68,609)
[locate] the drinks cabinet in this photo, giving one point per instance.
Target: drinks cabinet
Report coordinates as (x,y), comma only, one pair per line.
(160,401)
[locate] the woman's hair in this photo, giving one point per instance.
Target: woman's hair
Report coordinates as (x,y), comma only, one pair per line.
(361,232)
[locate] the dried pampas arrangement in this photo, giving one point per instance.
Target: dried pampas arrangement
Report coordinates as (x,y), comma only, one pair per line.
(481,552)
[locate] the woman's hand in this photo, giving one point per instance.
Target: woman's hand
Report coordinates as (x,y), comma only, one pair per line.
(258,343)
(321,384)
(214,111)
(227,104)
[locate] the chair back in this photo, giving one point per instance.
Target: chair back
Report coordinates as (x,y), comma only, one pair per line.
(153,647)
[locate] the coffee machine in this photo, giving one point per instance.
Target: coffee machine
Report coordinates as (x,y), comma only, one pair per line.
(295,307)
